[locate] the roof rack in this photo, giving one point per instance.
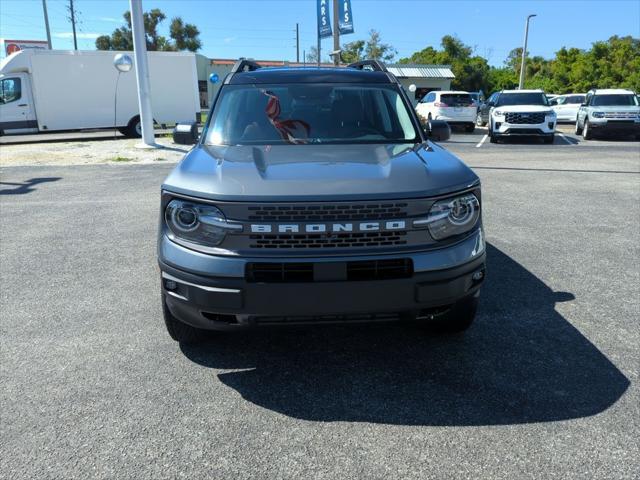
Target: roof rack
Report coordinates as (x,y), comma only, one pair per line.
(244,65)
(374,65)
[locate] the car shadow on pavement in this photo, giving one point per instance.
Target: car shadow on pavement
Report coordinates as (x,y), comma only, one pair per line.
(21,188)
(521,362)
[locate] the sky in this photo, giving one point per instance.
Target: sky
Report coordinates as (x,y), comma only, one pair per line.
(265,29)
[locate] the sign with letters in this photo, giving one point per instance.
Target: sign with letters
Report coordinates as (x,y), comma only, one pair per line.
(345,22)
(324,23)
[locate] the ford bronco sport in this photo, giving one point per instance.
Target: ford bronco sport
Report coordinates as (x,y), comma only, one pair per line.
(314,195)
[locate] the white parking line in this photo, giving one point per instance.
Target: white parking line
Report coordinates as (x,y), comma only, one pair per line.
(564,138)
(482,141)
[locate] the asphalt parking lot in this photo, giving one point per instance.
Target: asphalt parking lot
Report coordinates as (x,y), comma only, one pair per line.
(544,385)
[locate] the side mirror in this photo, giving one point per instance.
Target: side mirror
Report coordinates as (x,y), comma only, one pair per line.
(438,130)
(491,104)
(186,133)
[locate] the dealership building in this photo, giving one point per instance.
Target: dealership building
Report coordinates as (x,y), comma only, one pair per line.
(426,78)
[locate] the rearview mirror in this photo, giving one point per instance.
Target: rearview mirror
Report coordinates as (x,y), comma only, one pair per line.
(186,133)
(438,130)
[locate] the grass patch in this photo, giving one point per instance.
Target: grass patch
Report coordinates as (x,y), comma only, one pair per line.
(121,159)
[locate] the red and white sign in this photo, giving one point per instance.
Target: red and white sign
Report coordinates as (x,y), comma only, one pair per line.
(11,46)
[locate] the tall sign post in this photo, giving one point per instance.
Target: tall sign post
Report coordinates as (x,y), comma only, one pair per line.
(336,34)
(142,74)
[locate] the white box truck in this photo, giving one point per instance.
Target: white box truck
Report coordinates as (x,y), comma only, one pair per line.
(53,90)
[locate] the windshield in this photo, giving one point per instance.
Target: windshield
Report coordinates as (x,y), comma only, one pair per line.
(456,99)
(310,113)
(532,98)
(614,100)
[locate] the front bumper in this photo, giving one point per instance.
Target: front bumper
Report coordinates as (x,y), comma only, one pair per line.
(615,127)
(547,128)
(213,293)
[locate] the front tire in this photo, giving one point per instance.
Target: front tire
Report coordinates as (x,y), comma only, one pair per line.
(134,128)
(479,121)
(179,331)
(492,137)
(578,130)
(586,131)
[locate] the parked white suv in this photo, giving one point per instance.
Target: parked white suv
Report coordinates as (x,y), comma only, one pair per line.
(521,113)
(615,111)
(567,106)
(454,107)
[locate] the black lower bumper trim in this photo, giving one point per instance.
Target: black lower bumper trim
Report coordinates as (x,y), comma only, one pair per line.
(210,303)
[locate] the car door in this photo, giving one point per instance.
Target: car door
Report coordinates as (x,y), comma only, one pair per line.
(17,114)
(572,105)
(426,105)
(486,107)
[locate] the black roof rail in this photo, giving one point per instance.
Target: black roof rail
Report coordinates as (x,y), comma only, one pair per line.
(375,65)
(244,65)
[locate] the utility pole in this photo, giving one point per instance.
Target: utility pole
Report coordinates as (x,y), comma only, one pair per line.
(73,24)
(524,52)
(142,74)
(297,44)
(336,34)
(46,23)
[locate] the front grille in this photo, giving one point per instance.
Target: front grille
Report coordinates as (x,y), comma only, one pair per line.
(337,240)
(525,118)
(379,269)
(328,319)
(279,272)
(621,115)
(329,212)
(304,272)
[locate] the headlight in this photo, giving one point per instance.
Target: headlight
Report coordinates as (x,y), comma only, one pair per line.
(597,114)
(453,216)
(498,113)
(549,113)
(196,223)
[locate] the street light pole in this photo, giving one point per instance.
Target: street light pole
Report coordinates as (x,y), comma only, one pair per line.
(46,22)
(142,73)
(524,52)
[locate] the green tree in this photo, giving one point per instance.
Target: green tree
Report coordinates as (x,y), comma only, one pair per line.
(183,36)
(353,51)
(374,49)
(471,72)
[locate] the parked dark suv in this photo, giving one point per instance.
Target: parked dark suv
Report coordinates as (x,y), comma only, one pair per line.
(314,195)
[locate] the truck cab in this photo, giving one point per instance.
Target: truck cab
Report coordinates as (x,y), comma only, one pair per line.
(17,113)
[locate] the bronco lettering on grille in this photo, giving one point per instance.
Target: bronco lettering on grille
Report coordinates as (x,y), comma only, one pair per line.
(329,227)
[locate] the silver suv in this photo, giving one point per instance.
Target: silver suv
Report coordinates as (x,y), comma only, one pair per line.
(609,111)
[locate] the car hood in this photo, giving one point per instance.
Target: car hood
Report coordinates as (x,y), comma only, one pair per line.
(523,108)
(315,172)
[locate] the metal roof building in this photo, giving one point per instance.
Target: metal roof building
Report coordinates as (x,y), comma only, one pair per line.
(426,78)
